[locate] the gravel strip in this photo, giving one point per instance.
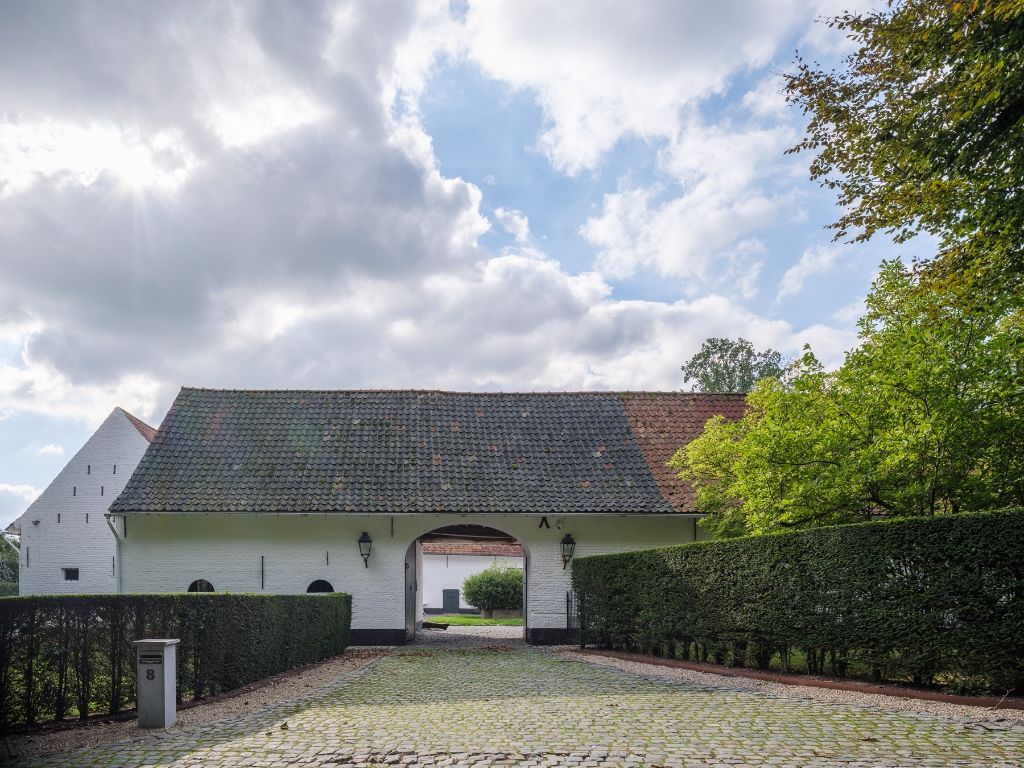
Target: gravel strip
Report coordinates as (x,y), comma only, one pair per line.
(829,695)
(292,684)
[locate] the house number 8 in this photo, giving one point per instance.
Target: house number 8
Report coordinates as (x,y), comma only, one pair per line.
(151,674)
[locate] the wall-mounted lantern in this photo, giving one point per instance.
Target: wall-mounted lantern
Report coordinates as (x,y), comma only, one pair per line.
(568,547)
(365,544)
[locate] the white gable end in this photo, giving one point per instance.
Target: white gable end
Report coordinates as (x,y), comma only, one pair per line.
(64,534)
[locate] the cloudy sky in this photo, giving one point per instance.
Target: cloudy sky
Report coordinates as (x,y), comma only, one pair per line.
(498,196)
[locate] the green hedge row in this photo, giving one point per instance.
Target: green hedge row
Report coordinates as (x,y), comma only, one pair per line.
(72,656)
(929,600)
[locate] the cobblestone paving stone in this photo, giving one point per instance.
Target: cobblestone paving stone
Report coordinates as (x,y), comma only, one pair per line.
(466,706)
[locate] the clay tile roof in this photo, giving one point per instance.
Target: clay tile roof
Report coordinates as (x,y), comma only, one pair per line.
(145,430)
(420,451)
(484,548)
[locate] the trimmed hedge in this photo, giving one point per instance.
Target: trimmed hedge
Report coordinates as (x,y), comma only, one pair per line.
(72,656)
(927,600)
(495,588)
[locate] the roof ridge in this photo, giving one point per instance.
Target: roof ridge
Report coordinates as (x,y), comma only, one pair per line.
(484,393)
(143,428)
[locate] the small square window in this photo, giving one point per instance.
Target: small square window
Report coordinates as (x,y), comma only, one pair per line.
(70,574)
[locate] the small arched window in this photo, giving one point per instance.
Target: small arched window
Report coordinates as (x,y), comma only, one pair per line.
(200,585)
(320,586)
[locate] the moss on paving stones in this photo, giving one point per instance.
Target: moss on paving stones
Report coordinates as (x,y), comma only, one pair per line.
(528,707)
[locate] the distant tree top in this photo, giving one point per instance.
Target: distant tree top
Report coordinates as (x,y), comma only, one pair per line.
(725,365)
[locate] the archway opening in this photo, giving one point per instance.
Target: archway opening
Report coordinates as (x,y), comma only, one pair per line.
(200,585)
(320,586)
(440,562)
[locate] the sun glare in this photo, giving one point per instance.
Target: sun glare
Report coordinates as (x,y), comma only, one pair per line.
(66,153)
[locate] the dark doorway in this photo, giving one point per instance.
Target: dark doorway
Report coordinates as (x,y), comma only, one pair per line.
(200,585)
(450,601)
(320,586)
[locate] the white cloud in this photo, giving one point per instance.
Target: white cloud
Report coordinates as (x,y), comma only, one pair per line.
(603,70)
(514,222)
(27,493)
(814,261)
(848,315)
(767,99)
(312,239)
(50,449)
(69,153)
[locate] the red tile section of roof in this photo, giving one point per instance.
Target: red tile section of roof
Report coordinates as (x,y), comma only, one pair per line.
(145,430)
(472,548)
(663,422)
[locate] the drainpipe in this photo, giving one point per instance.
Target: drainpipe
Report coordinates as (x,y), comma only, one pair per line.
(117,556)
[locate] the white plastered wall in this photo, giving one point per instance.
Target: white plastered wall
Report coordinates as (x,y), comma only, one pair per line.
(441,572)
(165,553)
(65,526)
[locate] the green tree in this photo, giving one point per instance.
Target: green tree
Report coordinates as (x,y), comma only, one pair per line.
(724,365)
(922,130)
(495,589)
(926,416)
(8,568)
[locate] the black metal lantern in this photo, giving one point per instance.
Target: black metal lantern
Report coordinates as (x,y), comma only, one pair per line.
(568,547)
(365,543)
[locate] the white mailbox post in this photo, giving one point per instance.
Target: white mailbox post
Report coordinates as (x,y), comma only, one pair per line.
(156,666)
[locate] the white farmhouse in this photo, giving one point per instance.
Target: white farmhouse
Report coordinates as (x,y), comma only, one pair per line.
(449,561)
(295,491)
(66,545)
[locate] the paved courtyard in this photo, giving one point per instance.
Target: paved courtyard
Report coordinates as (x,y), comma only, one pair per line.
(472,702)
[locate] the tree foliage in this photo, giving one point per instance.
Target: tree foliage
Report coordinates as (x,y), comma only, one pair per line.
(8,568)
(922,130)
(724,366)
(926,416)
(495,589)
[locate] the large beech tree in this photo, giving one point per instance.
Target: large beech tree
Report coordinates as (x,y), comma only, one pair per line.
(922,130)
(926,416)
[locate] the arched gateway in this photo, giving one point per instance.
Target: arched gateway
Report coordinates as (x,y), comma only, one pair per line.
(272,491)
(438,563)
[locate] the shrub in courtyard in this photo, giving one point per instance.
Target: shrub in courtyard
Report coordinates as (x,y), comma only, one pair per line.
(72,656)
(928,600)
(495,589)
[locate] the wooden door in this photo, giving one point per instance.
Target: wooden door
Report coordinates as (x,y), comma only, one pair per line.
(410,593)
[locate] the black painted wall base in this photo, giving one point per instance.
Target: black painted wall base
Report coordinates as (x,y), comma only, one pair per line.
(440,611)
(550,636)
(534,636)
(376,637)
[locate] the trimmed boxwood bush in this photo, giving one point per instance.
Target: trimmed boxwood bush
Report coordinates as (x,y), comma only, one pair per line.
(72,656)
(495,589)
(927,600)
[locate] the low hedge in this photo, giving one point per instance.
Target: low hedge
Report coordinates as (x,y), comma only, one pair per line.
(72,656)
(926,600)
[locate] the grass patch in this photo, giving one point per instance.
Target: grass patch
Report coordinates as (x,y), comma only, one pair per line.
(467,620)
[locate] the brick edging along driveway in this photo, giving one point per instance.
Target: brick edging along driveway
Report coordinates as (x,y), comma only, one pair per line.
(991,702)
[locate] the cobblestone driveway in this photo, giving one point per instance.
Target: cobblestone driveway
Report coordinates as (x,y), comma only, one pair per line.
(430,705)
